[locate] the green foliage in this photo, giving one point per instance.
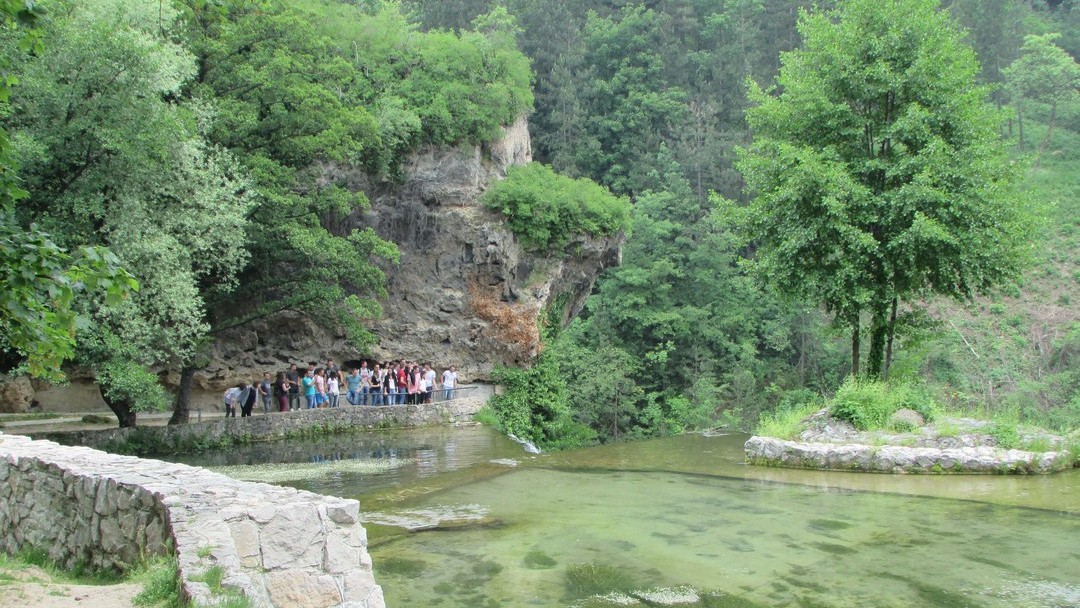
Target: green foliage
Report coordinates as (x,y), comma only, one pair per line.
(465,86)
(878,172)
(534,406)
(1004,428)
(39,280)
(868,404)
(39,284)
(160,578)
(1046,73)
(785,423)
(546,210)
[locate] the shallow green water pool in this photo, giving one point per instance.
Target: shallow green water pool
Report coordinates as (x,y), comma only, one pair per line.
(464,518)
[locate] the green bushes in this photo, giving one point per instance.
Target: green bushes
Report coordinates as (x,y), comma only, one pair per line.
(534,406)
(868,404)
(784,423)
(1004,429)
(545,209)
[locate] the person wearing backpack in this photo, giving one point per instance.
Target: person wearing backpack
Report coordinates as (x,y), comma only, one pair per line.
(248,395)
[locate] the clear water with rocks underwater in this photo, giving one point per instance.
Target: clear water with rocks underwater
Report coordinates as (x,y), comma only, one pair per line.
(463,517)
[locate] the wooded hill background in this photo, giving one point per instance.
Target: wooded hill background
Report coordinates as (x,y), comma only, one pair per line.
(187,138)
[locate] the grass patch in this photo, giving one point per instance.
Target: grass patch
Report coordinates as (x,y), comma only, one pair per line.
(26,417)
(79,574)
(784,424)
(584,580)
(161,583)
(1005,430)
(1039,444)
(947,428)
(868,404)
(158,576)
(212,577)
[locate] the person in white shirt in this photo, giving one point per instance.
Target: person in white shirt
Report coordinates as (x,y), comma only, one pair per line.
(429,383)
(332,389)
(449,382)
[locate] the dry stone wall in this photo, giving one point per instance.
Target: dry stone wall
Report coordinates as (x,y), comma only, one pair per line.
(279,547)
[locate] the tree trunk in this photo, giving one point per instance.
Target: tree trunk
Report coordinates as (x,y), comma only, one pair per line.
(1049,133)
(125,414)
(1020,124)
(182,405)
(889,343)
(855,346)
(878,332)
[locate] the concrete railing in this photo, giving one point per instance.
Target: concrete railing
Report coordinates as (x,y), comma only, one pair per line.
(279,547)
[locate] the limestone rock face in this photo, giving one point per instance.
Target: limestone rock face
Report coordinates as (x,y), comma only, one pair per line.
(16,395)
(465,292)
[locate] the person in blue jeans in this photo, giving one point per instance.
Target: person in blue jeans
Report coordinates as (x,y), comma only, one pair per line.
(375,392)
(309,389)
(352,387)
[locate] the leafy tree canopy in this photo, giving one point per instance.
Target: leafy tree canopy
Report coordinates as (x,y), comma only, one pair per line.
(878,172)
(108,159)
(39,280)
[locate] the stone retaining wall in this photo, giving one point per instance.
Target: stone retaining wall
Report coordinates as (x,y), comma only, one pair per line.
(280,547)
(896,459)
(269,427)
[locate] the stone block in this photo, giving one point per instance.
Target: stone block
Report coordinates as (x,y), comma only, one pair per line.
(292,539)
(155,534)
(360,588)
(111,538)
(358,536)
(302,589)
(338,556)
(344,512)
(245,534)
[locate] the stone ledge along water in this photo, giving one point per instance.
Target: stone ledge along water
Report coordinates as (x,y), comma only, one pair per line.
(280,547)
(270,427)
(897,459)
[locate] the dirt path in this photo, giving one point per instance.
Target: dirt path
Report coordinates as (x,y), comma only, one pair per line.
(32,587)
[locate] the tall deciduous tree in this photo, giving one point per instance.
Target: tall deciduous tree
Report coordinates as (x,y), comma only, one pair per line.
(1045,73)
(39,280)
(877,171)
(109,158)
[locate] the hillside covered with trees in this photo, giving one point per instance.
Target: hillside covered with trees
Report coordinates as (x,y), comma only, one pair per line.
(168,156)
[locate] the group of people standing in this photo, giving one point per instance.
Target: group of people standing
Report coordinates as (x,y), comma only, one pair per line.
(390,383)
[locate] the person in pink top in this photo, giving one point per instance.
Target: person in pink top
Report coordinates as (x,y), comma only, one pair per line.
(413,384)
(320,388)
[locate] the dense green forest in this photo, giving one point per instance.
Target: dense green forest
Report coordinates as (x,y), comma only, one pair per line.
(188,138)
(700,325)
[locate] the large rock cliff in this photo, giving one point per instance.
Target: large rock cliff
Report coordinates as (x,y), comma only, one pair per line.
(465,292)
